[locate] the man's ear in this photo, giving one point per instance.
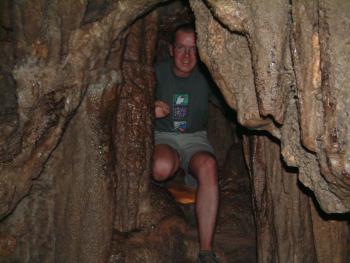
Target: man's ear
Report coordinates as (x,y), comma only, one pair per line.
(171,50)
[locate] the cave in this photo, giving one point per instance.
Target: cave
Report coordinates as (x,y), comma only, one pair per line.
(77,120)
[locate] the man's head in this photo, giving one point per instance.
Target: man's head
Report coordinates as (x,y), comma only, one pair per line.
(184,50)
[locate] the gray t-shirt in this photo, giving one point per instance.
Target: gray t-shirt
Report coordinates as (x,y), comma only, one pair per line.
(186,97)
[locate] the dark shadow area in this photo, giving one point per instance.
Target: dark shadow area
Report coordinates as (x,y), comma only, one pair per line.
(322,214)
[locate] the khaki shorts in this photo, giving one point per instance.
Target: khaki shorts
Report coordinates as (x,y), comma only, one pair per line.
(186,144)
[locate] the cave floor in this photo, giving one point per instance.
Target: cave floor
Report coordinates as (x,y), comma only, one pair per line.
(175,237)
(233,249)
(231,245)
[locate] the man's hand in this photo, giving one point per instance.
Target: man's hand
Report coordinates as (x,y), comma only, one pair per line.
(161,109)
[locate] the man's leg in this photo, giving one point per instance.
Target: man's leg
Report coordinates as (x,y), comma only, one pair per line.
(204,166)
(166,162)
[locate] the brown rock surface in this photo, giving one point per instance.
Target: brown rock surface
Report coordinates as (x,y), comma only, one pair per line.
(271,93)
(260,33)
(67,96)
(76,104)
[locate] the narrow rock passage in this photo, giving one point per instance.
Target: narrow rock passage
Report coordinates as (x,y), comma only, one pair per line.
(235,239)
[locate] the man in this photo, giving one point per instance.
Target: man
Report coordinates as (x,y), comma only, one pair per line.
(181,110)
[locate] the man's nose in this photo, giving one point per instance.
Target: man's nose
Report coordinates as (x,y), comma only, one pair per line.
(187,51)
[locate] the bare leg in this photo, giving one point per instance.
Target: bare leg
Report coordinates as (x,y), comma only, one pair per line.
(203,165)
(166,162)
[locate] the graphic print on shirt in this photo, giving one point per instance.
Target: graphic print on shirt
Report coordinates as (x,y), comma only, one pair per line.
(180,111)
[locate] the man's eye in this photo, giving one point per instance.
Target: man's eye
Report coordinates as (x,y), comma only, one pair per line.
(180,48)
(183,49)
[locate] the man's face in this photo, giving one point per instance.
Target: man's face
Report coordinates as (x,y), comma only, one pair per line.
(184,53)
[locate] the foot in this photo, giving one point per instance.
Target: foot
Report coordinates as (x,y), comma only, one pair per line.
(207,257)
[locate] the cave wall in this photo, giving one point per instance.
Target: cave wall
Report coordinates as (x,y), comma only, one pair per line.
(278,201)
(133,125)
(74,99)
(76,122)
(274,81)
(286,47)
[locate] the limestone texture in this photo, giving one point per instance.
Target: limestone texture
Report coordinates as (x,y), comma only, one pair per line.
(277,48)
(76,127)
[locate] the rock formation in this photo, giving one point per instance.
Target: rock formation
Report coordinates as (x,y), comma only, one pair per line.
(76,95)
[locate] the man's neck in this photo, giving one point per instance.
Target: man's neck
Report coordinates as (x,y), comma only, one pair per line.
(181,74)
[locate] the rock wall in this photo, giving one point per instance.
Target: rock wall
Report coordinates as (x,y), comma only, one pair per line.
(76,121)
(277,79)
(61,184)
(278,48)
(133,125)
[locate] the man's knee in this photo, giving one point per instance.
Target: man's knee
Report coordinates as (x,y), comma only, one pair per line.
(162,169)
(165,162)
